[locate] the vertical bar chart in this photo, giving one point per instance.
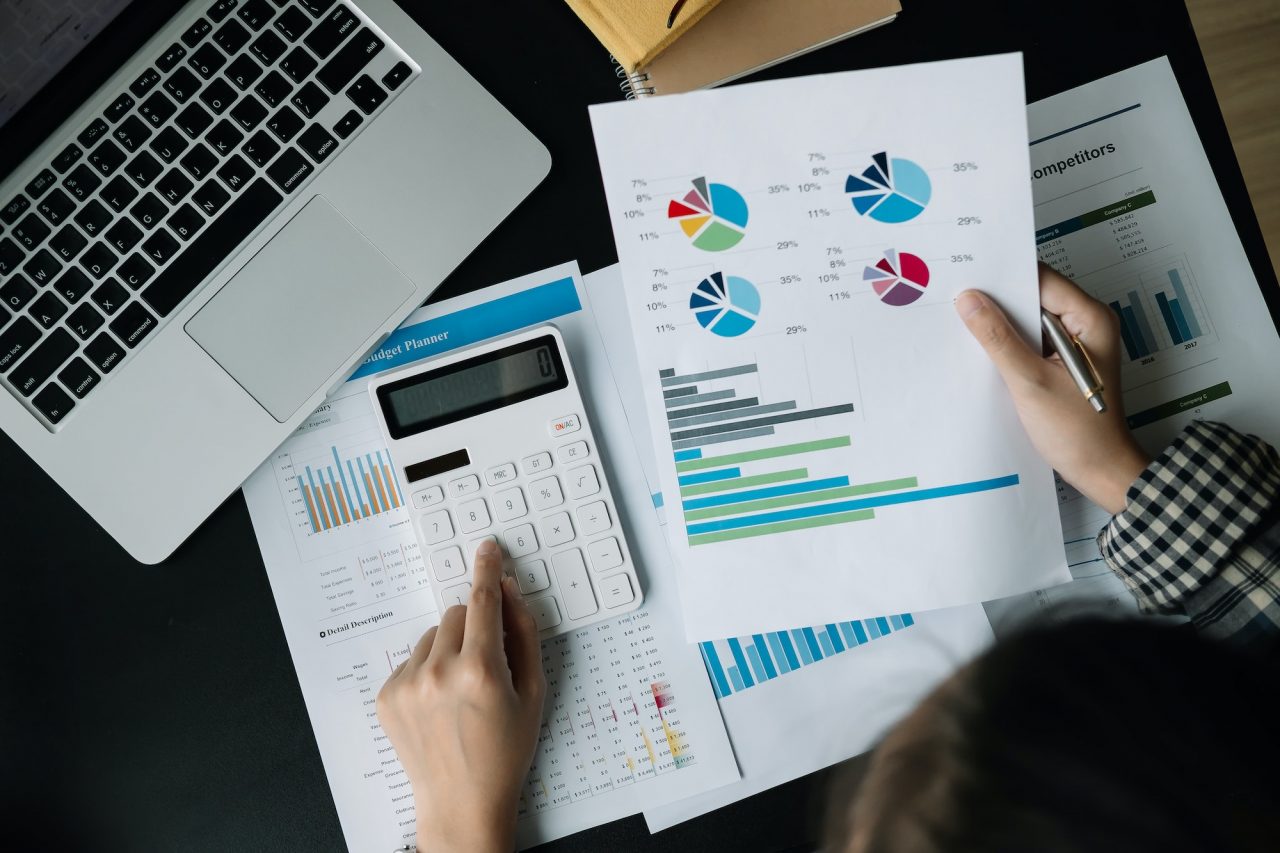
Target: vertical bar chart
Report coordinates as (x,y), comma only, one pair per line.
(335,496)
(1165,295)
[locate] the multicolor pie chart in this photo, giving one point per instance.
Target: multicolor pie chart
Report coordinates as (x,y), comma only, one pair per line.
(890,189)
(899,278)
(725,305)
(713,216)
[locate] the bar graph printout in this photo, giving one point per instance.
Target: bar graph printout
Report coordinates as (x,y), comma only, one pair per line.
(832,443)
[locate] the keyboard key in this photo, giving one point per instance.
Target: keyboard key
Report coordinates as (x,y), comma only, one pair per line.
(349,61)
(210,198)
(464,486)
(118,193)
(91,134)
(82,182)
(605,554)
(123,235)
(231,36)
(243,71)
(545,493)
(261,148)
(331,32)
(310,100)
(104,353)
(366,94)
(53,403)
(255,14)
(41,182)
(218,96)
(98,261)
(47,310)
(10,256)
(171,57)
(42,268)
(160,247)
(198,30)
(109,296)
(107,157)
(56,206)
(145,82)
(67,243)
(290,170)
(5,316)
(206,61)
(286,123)
(79,377)
(557,529)
(616,591)
(185,222)
(15,208)
(436,527)
(199,162)
(143,169)
(509,505)
(30,232)
(157,109)
(292,24)
(193,120)
(132,132)
(16,293)
(135,271)
(133,324)
(220,10)
(594,518)
(520,541)
(221,237)
(84,321)
(148,211)
(174,186)
(447,564)
(473,516)
(499,474)
(16,341)
(182,84)
(298,65)
(546,614)
(93,217)
(537,463)
(428,497)
(224,137)
(582,482)
(236,172)
(347,124)
(73,285)
(268,47)
(273,89)
(456,596)
(571,573)
(119,108)
(397,75)
(316,7)
(532,576)
(249,113)
(575,452)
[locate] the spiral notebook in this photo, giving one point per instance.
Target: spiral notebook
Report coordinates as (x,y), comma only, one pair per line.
(739,37)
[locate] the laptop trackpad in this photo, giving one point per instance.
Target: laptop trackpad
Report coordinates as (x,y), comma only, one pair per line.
(302,307)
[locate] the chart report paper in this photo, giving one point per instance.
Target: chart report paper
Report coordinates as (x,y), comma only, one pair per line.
(631,720)
(831,440)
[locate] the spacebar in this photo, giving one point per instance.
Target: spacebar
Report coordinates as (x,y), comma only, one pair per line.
(224,234)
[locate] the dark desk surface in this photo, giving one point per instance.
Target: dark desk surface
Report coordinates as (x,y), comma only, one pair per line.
(156,708)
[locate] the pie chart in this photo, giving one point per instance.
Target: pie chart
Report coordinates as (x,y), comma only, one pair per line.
(890,189)
(725,305)
(899,278)
(713,216)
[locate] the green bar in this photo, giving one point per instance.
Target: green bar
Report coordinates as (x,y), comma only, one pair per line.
(1119,208)
(783,526)
(1174,407)
(805,498)
(744,482)
(769,453)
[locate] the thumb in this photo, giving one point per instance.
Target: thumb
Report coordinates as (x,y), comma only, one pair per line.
(1005,347)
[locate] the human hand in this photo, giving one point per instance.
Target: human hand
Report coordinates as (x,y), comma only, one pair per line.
(463,712)
(1094,452)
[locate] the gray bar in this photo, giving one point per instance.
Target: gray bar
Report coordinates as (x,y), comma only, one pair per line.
(710,374)
(1139,314)
(720,439)
(714,407)
(699,398)
(758,422)
(667,372)
(1188,310)
(680,392)
(732,413)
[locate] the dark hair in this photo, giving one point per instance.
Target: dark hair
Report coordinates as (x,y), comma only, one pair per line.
(1092,735)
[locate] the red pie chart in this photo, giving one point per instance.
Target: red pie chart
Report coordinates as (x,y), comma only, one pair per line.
(899,278)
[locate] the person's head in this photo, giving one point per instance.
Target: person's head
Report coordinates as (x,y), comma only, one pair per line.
(1093,735)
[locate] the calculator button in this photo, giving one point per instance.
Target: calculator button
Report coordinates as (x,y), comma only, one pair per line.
(473,516)
(545,613)
(571,572)
(594,518)
(509,505)
(499,474)
(565,425)
(582,482)
(520,541)
(575,452)
(557,530)
(464,486)
(545,493)
(536,463)
(428,497)
(447,564)
(616,591)
(605,554)
(436,527)
(474,544)
(456,595)
(532,576)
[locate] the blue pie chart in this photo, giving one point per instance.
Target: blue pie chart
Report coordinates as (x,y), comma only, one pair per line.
(725,305)
(891,189)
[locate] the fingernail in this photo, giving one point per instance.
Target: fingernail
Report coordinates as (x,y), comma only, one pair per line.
(486,548)
(968,303)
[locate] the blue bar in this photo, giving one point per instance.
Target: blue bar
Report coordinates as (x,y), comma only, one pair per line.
(736,678)
(1176,307)
(835,637)
(849,639)
(736,648)
(788,649)
(686,455)
(908,620)
(858,632)
(872,628)
(717,671)
(757,666)
(355,484)
(803,646)
(1129,346)
(897,623)
(1144,328)
(395,481)
(825,642)
(884,625)
(657,500)
(771,492)
(847,506)
(812,641)
(1135,333)
(310,514)
(779,654)
(355,510)
(710,476)
(769,669)
(1193,325)
(1169,323)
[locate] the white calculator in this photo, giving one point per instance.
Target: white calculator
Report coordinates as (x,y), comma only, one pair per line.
(493,442)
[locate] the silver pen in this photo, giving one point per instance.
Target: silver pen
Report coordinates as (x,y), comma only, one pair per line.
(1076,360)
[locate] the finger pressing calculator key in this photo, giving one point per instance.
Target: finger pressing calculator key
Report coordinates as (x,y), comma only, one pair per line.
(494,443)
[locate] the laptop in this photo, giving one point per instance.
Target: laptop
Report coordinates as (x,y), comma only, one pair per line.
(245,209)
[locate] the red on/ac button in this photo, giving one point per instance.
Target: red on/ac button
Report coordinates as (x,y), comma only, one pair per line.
(565,425)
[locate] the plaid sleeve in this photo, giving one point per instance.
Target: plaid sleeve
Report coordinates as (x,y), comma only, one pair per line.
(1200,533)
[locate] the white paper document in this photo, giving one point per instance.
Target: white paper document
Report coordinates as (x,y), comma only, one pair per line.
(631,720)
(831,440)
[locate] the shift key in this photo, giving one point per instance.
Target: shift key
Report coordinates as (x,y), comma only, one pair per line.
(43,361)
(349,61)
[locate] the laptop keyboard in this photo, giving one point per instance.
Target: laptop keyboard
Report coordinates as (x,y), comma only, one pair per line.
(132,215)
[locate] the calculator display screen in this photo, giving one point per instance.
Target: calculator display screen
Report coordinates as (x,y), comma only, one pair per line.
(472,387)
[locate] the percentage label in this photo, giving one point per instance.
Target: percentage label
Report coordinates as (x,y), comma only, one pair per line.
(659,287)
(834,250)
(637,182)
(820,170)
(648,235)
(658,272)
(643,197)
(967,166)
(829,277)
(839,296)
(665,327)
(836,264)
(790,279)
(810,187)
(815,156)
(633,214)
(798,329)
(774,189)
(962,259)
(819,213)
(787,244)
(656,306)
(968,220)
